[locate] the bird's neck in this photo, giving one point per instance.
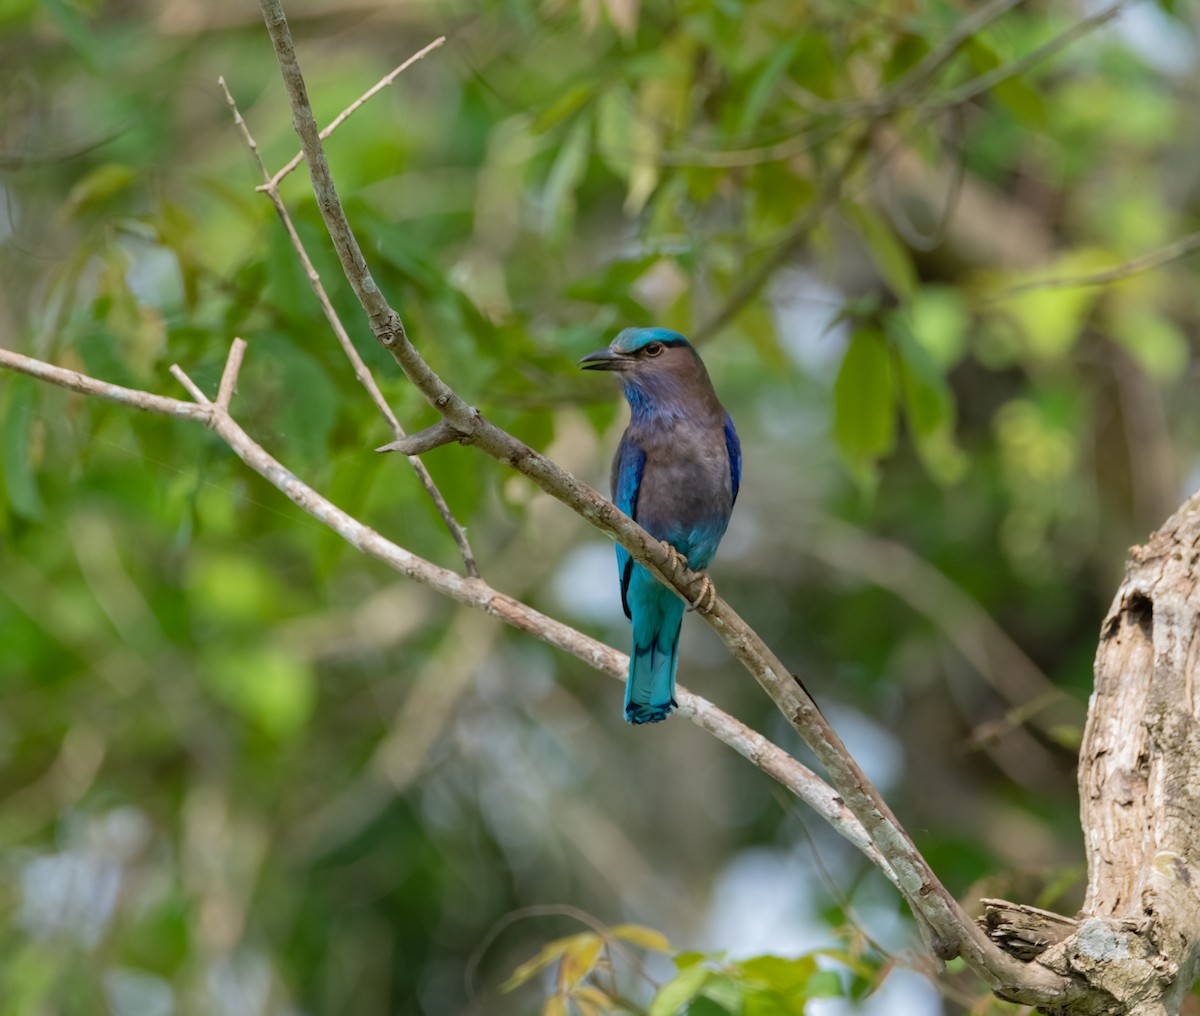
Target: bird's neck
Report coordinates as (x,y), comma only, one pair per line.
(662,400)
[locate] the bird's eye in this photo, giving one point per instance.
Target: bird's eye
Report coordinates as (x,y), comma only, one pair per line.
(654,348)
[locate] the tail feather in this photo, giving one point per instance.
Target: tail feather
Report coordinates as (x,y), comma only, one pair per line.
(650,687)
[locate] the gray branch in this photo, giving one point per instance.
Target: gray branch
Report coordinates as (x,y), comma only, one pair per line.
(441,433)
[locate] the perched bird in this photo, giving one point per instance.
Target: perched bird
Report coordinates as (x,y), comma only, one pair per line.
(676,473)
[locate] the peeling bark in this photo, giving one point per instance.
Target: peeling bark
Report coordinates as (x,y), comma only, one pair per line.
(1134,949)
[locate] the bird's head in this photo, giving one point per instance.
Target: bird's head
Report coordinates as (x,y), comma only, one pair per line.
(640,353)
(661,374)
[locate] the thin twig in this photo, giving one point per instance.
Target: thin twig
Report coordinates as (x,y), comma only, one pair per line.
(361,371)
(229,376)
(801,781)
(986,82)
(192,388)
(274,181)
(1135,266)
(921,888)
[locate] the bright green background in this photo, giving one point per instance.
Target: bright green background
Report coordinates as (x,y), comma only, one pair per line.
(235,756)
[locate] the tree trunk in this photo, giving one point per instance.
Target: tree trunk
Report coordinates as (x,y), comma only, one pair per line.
(1135,947)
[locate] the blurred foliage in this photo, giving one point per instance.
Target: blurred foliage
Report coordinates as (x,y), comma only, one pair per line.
(245,770)
(587,977)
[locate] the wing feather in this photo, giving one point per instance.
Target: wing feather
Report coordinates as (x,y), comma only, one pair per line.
(628,464)
(734,447)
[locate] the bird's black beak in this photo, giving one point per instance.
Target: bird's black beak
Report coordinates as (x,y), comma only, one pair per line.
(604,359)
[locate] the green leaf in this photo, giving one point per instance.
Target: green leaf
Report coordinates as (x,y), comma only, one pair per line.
(725,991)
(928,406)
(1069,735)
(639,935)
(689,958)
(562,107)
(1051,318)
(1053,891)
(864,396)
(765,84)
(706,1006)
(550,952)
(269,685)
(824,984)
(614,130)
(98,186)
(578,959)
(767,1002)
(232,588)
(589,994)
(1153,341)
(75,29)
(558,196)
(779,973)
(940,321)
(889,256)
(20,483)
(681,989)
(654,103)
(852,961)
(305,395)
(1023,100)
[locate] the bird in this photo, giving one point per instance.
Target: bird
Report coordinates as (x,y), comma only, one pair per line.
(676,473)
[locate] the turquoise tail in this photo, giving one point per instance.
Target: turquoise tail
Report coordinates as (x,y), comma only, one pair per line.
(650,687)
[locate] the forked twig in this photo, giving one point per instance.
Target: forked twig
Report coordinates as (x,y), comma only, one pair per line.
(361,371)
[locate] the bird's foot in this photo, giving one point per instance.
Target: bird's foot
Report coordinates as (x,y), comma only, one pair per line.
(678,562)
(707,598)
(708,593)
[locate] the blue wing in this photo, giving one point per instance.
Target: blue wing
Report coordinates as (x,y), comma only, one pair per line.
(626,480)
(734,447)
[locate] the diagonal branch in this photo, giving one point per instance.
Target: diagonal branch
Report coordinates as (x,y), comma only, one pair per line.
(361,371)
(953,931)
(473,592)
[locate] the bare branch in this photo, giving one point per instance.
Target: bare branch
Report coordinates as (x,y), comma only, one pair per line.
(955,932)
(192,388)
(441,433)
(229,376)
(472,592)
(85,385)
(361,371)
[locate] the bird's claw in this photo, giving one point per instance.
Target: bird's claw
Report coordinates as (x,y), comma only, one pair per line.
(707,598)
(708,593)
(678,563)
